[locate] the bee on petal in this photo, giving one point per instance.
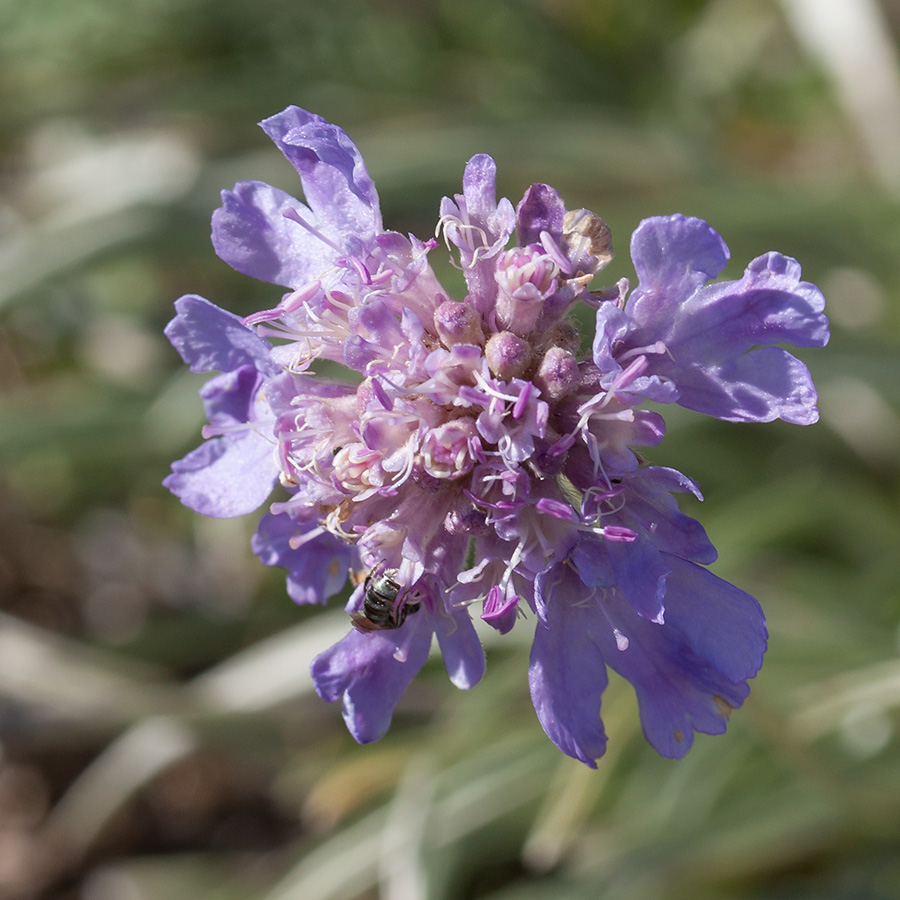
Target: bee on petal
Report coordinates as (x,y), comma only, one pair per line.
(384,608)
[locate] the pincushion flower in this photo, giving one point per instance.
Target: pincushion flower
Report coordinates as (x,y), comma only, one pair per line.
(474,461)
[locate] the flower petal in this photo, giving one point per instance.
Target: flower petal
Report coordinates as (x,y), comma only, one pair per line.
(251,234)
(719,341)
(567,674)
(226,476)
(317,569)
(480,227)
(363,670)
(673,256)
(766,384)
(230,398)
(651,504)
(640,572)
(460,648)
(480,192)
(211,339)
(336,184)
(541,209)
(692,671)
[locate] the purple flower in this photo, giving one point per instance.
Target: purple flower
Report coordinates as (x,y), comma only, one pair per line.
(473,458)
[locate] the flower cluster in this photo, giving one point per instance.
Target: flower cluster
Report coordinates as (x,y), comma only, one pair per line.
(474,459)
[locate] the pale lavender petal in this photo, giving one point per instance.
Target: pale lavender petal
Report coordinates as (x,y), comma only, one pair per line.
(719,338)
(673,256)
(480,192)
(481,230)
(251,234)
(363,671)
(336,184)
(317,568)
(766,384)
(720,352)
(211,339)
(226,476)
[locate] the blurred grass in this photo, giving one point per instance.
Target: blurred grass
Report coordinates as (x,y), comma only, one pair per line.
(159,734)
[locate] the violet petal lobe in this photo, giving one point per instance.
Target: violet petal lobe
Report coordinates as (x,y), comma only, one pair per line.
(317,568)
(640,572)
(225,476)
(567,672)
(691,672)
(362,670)
(541,209)
(210,339)
(251,233)
(719,345)
(336,183)
(651,506)
(230,398)
(460,648)
(673,256)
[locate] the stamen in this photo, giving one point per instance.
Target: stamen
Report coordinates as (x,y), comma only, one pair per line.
(556,254)
(301,296)
(654,349)
(295,216)
(555,508)
(264,315)
(381,394)
(618,534)
(522,401)
(298,540)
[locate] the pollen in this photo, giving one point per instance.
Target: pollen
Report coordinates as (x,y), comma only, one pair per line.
(723,707)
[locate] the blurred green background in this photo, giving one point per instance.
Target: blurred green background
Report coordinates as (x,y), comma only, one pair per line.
(160,737)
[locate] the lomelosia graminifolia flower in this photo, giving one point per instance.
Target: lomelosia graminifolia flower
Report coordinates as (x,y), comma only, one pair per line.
(477,462)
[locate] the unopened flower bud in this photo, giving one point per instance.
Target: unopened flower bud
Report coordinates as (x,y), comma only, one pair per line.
(557,374)
(458,323)
(508,356)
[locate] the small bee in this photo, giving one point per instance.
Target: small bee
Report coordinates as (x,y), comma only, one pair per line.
(381,609)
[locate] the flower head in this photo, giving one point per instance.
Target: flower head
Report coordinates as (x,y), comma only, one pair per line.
(473,460)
